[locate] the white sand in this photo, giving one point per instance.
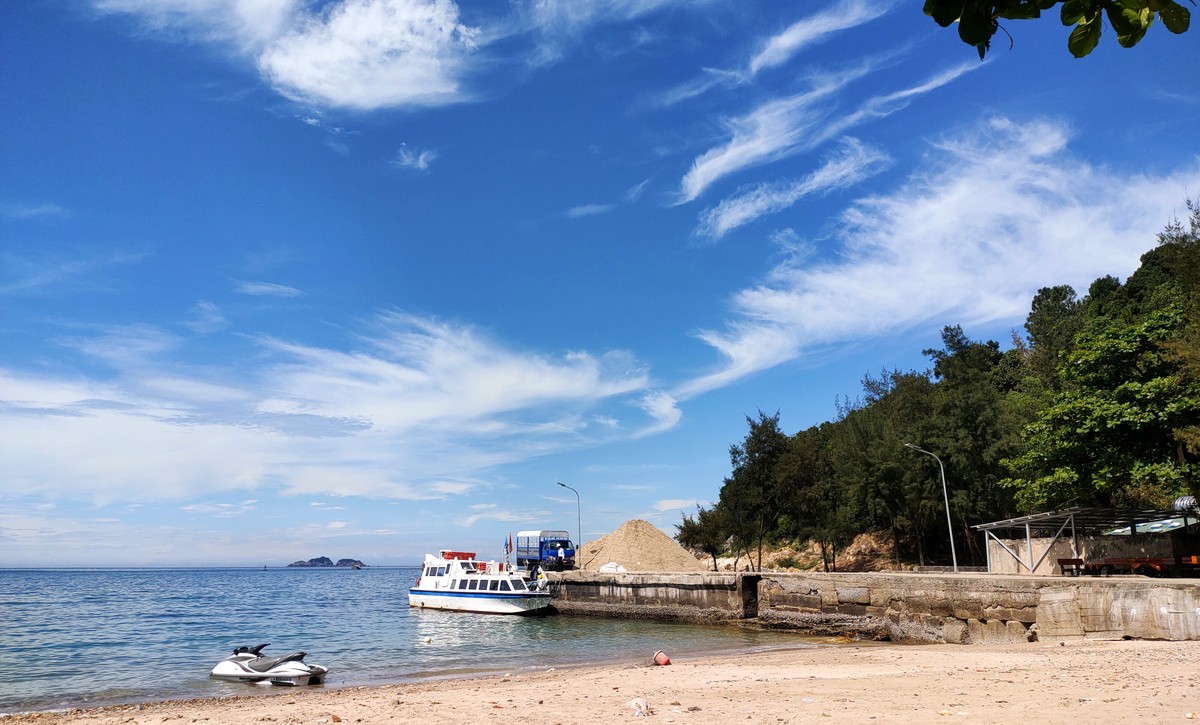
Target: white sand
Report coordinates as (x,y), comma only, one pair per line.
(1045,682)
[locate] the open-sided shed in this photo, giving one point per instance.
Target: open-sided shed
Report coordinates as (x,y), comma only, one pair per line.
(1044,533)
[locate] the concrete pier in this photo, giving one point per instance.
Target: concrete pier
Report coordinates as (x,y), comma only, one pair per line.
(901,606)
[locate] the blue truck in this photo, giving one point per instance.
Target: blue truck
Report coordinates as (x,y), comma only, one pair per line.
(550,550)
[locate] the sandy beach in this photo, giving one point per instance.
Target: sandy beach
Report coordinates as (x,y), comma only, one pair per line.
(1042,682)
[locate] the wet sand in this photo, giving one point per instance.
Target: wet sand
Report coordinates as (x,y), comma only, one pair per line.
(1042,682)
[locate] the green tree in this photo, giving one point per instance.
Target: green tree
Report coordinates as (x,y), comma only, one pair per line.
(970,428)
(1110,438)
(815,508)
(873,467)
(1122,430)
(705,533)
(1055,317)
(750,496)
(978,20)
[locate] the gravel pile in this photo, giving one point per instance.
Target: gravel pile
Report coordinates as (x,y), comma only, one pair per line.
(639,546)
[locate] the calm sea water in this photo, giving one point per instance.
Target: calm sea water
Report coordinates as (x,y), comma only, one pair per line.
(85,637)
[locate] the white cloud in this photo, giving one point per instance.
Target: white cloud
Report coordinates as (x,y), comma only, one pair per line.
(357,54)
(788,126)
(558,23)
(678,504)
(855,163)
(421,410)
(124,346)
(663,411)
(407,158)
(494,514)
(223,510)
(712,78)
(31,211)
(577,212)
(769,132)
(814,29)
(266,289)
(998,213)
(206,318)
(55,273)
(245,24)
(367,54)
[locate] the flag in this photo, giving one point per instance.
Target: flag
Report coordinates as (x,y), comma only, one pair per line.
(508,547)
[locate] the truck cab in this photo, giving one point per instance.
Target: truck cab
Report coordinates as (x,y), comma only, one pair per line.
(549,549)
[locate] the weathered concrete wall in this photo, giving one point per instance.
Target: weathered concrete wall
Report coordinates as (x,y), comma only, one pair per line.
(991,608)
(963,609)
(1090,547)
(676,597)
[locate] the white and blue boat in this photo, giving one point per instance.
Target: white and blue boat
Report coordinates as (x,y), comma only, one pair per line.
(454,581)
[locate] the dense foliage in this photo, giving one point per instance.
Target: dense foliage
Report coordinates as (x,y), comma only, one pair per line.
(1097,403)
(978,20)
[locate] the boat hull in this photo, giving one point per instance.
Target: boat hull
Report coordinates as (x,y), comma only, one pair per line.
(481,602)
(287,676)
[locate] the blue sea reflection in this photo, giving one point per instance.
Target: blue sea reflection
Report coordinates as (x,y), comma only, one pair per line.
(90,637)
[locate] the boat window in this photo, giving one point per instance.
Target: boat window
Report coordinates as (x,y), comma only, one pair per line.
(493,585)
(441,571)
(462,583)
(519,585)
(474,584)
(431,571)
(504,587)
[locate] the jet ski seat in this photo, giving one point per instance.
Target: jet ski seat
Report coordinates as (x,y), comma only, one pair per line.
(263,664)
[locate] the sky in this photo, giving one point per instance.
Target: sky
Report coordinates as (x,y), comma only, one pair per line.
(365,279)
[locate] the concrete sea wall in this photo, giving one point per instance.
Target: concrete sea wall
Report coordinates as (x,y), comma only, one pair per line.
(671,597)
(904,607)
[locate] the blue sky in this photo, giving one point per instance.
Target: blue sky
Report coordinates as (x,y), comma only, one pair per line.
(365,278)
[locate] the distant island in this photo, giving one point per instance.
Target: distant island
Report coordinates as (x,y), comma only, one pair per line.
(326,561)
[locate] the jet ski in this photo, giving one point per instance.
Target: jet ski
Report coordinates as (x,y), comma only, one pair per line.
(249,664)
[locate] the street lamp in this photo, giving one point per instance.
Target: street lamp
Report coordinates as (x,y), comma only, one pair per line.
(946,497)
(578,525)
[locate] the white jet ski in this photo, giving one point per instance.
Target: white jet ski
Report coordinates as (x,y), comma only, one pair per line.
(248,664)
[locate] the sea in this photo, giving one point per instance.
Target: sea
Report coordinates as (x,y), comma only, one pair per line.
(91,637)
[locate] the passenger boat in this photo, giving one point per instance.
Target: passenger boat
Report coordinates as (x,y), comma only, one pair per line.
(453,580)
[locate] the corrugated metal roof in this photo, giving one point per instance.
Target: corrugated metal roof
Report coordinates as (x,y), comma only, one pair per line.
(1089,518)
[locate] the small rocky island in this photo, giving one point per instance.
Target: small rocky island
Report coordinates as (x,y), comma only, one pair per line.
(326,561)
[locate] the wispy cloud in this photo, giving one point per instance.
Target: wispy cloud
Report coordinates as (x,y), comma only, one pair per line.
(14,210)
(711,78)
(814,29)
(408,158)
(770,132)
(855,162)
(576,212)
(221,509)
(54,273)
(954,244)
(884,105)
(420,410)
(686,505)
(245,25)
(788,126)
(266,289)
(206,318)
(558,23)
(778,49)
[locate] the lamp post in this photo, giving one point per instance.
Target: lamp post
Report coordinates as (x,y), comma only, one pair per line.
(946,497)
(578,525)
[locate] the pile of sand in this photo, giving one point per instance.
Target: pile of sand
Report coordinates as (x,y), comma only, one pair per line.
(639,546)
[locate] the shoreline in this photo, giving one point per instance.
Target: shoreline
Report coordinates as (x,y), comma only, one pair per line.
(1048,682)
